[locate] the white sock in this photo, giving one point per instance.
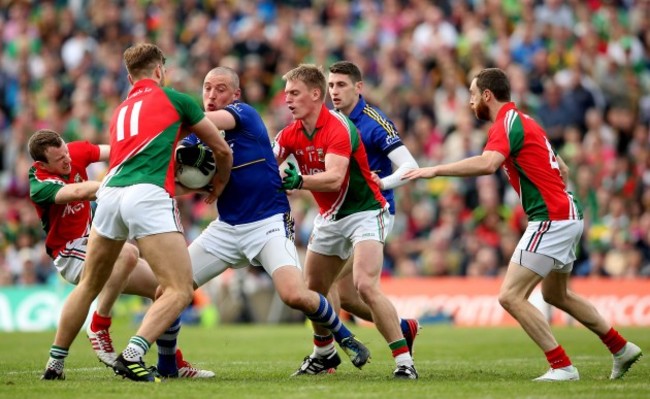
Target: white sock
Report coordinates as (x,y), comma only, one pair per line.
(404,359)
(323,351)
(133,353)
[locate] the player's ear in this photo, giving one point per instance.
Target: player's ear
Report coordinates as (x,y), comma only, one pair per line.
(487,94)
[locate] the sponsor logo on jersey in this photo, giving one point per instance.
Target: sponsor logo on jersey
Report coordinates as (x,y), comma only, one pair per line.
(72,208)
(140,92)
(392,139)
(235,106)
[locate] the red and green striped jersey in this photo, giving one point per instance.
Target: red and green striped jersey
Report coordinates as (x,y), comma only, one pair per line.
(531,166)
(62,222)
(334,134)
(144,132)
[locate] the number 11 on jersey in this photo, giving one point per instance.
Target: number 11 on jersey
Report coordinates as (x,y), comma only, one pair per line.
(133,121)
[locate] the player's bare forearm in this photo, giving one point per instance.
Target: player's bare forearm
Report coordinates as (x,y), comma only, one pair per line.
(564,170)
(223,159)
(221,119)
(182,190)
(217,188)
(331,179)
(83,191)
(209,135)
(484,164)
(323,182)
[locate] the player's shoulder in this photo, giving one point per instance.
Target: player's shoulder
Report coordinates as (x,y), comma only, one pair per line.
(373,119)
(240,107)
(339,118)
(176,96)
(79,146)
(374,113)
(509,120)
(243,112)
(39,175)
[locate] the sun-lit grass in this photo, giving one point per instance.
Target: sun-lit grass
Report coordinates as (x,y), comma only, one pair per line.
(255,361)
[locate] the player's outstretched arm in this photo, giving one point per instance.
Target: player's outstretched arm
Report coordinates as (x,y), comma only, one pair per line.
(104,152)
(484,164)
(402,158)
(420,173)
(564,170)
(222,119)
(84,191)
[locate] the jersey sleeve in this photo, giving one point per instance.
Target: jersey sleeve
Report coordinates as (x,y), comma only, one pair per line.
(498,140)
(43,192)
(385,136)
(190,141)
(188,110)
(238,112)
(83,152)
(342,140)
(281,149)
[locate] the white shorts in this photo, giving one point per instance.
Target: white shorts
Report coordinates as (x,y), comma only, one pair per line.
(338,237)
(555,239)
(70,261)
(267,243)
(135,211)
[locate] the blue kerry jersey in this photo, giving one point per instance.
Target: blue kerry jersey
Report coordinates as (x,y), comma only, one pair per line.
(380,137)
(254,191)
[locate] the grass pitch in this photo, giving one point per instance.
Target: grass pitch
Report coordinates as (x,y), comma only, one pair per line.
(255,361)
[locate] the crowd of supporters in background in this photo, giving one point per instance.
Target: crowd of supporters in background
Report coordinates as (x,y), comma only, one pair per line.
(581,68)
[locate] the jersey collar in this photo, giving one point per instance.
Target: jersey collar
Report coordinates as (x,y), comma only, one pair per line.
(43,173)
(505,108)
(357,111)
(141,84)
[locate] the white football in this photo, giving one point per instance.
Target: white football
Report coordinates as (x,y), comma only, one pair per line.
(192,177)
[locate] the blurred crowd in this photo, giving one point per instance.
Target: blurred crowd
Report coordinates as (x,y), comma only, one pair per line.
(581,68)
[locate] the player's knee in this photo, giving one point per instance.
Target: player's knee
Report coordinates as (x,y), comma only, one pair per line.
(183,295)
(186,296)
(367,291)
(507,300)
(129,256)
(294,299)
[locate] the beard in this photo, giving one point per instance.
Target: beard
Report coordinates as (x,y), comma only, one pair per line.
(482,111)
